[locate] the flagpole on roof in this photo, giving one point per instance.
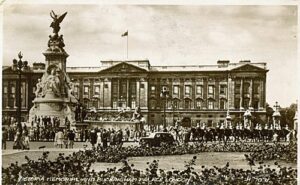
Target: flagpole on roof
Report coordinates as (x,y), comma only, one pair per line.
(126,35)
(127,44)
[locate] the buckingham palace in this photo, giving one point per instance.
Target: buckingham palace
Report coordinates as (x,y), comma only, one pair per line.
(196,93)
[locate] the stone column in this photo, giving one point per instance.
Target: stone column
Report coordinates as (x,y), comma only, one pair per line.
(230,93)
(205,103)
(107,94)
(217,94)
(193,90)
(251,95)
(261,94)
(138,93)
(127,95)
(241,94)
(102,93)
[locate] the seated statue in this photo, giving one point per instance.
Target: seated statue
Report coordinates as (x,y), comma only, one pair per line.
(137,114)
(52,83)
(39,88)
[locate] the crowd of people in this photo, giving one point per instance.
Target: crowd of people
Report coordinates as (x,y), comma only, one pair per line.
(73,170)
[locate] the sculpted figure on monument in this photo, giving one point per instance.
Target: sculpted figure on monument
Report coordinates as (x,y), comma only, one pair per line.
(52,82)
(137,116)
(56,21)
(39,89)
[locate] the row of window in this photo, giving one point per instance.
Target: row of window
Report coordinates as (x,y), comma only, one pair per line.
(176,89)
(9,96)
(199,89)
(246,88)
(199,104)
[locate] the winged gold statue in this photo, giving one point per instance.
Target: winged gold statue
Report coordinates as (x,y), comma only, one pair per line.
(56,21)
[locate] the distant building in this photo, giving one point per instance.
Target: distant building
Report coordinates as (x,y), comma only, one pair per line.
(197,93)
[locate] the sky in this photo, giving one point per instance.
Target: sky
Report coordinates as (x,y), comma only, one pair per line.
(164,34)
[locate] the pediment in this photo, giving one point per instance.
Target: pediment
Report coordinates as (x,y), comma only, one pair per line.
(124,68)
(248,67)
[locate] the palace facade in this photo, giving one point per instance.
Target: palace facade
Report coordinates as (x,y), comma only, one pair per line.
(197,93)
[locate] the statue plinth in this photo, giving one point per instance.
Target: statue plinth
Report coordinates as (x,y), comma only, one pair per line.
(54,92)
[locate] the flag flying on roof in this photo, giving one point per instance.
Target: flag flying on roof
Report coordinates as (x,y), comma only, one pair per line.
(125,34)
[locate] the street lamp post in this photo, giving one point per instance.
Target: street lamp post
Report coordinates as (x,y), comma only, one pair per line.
(19,66)
(164,95)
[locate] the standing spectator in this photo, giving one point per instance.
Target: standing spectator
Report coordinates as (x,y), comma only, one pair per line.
(71,137)
(31,134)
(59,138)
(127,135)
(81,135)
(104,138)
(112,138)
(26,142)
(98,138)
(66,138)
(4,138)
(93,137)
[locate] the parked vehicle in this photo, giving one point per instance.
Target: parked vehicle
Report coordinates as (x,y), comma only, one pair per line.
(157,139)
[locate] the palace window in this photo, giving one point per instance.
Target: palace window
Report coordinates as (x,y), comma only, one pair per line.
(211,90)
(97,90)
(142,86)
(76,91)
(133,104)
(176,90)
(12,100)
(5,97)
(199,90)
(223,89)
(210,104)
(175,104)
(236,103)
(222,104)
(187,104)
(86,90)
(114,104)
(198,104)
(105,85)
(187,90)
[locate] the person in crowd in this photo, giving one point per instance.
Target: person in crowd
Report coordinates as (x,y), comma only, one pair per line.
(71,138)
(93,137)
(104,138)
(18,143)
(26,141)
(59,138)
(4,138)
(99,137)
(66,139)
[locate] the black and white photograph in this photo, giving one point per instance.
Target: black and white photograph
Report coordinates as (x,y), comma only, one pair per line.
(152,93)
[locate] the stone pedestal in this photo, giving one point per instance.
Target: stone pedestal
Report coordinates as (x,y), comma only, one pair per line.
(54,92)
